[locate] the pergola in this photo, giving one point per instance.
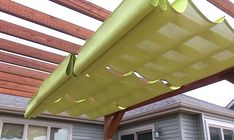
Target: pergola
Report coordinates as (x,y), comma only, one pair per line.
(21,76)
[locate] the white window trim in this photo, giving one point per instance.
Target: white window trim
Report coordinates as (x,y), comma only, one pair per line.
(136,130)
(41,123)
(217,124)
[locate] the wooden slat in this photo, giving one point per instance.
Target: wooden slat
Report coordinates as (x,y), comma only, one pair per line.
(85,7)
(26,62)
(30,52)
(15,92)
(226,5)
(32,15)
(37,37)
(19,79)
(23,71)
(18,87)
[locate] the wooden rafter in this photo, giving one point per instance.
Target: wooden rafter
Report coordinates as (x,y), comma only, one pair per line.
(37,37)
(7,68)
(19,79)
(18,87)
(43,19)
(85,7)
(30,51)
(26,62)
(15,92)
(226,5)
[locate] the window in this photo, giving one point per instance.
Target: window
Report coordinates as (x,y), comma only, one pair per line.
(215,133)
(37,133)
(21,129)
(127,137)
(143,132)
(219,133)
(144,135)
(219,129)
(12,131)
(58,134)
(228,134)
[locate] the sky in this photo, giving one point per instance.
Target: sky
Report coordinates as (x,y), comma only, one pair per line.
(220,93)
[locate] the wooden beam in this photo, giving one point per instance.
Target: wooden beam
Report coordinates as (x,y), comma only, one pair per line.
(18,87)
(21,71)
(85,7)
(229,76)
(43,19)
(37,37)
(30,51)
(197,84)
(111,123)
(26,62)
(19,79)
(225,5)
(15,93)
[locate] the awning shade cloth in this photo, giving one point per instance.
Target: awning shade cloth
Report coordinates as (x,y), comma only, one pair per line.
(145,49)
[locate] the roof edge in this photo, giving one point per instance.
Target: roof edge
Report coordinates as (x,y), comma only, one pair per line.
(230,104)
(47,116)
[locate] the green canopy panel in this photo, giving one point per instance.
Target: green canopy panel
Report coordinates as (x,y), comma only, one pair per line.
(145,49)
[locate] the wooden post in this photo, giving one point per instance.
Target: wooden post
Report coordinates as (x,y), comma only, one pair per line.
(111,123)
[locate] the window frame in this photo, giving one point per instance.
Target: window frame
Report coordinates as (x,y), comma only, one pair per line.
(135,131)
(218,124)
(26,123)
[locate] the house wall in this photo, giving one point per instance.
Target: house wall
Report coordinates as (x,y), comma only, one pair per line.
(87,132)
(78,131)
(191,127)
(168,126)
(180,126)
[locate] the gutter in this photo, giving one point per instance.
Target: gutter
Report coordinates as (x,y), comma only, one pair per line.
(175,108)
(20,112)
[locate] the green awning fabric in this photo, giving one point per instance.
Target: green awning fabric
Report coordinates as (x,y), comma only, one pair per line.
(145,49)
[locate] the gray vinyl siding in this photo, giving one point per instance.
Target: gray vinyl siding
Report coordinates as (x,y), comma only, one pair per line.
(169,128)
(191,127)
(87,132)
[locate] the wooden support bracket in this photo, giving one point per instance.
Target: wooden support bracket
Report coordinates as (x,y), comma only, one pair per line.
(111,124)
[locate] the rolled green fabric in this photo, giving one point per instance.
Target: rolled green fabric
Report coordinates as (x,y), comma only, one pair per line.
(56,79)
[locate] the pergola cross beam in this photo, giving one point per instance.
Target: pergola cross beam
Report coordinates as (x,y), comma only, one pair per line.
(21,49)
(85,7)
(43,19)
(38,37)
(226,5)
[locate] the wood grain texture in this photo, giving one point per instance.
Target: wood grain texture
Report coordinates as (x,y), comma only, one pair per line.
(21,71)
(19,79)
(85,7)
(16,93)
(18,87)
(225,5)
(26,62)
(37,37)
(30,51)
(43,19)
